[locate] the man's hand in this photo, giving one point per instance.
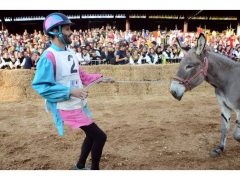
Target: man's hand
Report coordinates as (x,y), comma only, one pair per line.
(79,93)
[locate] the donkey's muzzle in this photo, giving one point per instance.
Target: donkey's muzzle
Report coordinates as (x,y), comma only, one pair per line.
(175,95)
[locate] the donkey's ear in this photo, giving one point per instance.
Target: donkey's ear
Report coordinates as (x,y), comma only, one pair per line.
(182,46)
(178,42)
(200,44)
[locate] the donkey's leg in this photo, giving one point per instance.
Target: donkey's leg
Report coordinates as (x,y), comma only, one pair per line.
(236,133)
(225,116)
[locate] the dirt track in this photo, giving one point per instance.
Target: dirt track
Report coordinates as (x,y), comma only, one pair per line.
(145,132)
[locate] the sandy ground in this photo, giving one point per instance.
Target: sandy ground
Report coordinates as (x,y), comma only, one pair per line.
(144,132)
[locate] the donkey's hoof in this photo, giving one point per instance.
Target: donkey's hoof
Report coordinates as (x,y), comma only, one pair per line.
(215,153)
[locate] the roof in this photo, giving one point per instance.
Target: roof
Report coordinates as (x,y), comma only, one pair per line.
(188,13)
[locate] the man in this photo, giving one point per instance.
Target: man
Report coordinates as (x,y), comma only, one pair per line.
(60,81)
(121,56)
(30,62)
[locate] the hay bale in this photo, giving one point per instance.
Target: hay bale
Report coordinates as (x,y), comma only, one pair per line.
(1,77)
(12,93)
(143,72)
(159,88)
(103,89)
(19,77)
(16,84)
(132,88)
(152,73)
(168,71)
(31,93)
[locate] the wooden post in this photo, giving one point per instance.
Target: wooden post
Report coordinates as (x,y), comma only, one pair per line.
(127,25)
(3,23)
(185,25)
(238,26)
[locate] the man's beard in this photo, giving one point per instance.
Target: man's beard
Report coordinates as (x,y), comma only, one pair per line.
(67,39)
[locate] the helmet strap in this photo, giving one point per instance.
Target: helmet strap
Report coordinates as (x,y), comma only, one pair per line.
(60,36)
(53,33)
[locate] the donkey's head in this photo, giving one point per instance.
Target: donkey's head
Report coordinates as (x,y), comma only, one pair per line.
(192,69)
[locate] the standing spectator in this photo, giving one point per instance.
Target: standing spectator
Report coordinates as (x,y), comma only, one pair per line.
(111,59)
(103,54)
(121,56)
(154,45)
(30,62)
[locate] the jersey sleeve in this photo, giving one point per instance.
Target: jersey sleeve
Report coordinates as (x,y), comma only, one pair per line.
(88,78)
(44,82)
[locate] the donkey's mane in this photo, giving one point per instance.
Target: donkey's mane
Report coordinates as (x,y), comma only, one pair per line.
(222,59)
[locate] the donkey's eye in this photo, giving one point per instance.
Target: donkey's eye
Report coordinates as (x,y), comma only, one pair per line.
(189,66)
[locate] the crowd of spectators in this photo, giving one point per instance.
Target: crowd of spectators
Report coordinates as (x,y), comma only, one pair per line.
(108,45)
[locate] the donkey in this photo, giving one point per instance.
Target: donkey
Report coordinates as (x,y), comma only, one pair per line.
(199,64)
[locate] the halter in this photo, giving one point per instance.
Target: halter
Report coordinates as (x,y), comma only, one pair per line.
(186,82)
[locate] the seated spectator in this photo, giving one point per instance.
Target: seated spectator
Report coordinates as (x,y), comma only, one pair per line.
(219,49)
(177,56)
(237,53)
(20,60)
(78,51)
(143,56)
(134,57)
(2,62)
(13,61)
(167,53)
(95,59)
(229,51)
(152,57)
(84,59)
(6,61)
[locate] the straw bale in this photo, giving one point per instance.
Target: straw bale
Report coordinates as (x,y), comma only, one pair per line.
(132,88)
(31,93)
(12,93)
(17,77)
(152,72)
(1,77)
(103,89)
(169,70)
(16,84)
(159,88)
(91,69)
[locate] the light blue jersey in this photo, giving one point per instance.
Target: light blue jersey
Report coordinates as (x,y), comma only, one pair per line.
(46,86)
